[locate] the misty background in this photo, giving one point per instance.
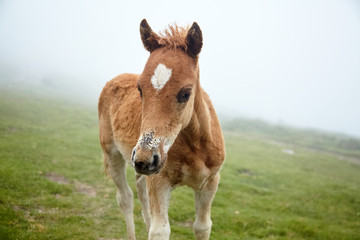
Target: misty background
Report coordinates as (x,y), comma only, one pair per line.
(288,62)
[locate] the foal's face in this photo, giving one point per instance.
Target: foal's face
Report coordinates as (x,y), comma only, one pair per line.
(167,89)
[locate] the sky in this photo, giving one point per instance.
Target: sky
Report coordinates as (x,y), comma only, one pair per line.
(290,62)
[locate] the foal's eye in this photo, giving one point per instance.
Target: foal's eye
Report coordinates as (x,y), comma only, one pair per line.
(183,95)
(138,87)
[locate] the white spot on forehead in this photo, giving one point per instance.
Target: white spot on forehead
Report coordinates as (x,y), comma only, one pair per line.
(161,76)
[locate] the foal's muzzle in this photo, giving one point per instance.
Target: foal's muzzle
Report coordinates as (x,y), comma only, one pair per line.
(146,162)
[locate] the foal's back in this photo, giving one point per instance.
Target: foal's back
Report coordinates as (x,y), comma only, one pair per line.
(120,115)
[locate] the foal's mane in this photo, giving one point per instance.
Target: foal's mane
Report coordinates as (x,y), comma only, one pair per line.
(173,37)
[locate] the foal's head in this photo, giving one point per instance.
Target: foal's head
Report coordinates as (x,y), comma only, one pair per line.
(167,87)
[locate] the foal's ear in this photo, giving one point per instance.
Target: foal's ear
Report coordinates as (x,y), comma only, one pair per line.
(148,37)
(194,40)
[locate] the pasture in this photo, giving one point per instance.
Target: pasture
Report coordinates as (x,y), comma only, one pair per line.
(52,185)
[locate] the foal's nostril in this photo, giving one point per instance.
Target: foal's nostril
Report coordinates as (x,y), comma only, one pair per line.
(139,165)
(156,159)
(154,163)
(133,155)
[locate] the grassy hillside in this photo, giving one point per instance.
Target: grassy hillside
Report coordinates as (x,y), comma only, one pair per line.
(52,186)
(338,144)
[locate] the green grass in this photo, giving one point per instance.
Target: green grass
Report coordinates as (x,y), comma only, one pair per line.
(263,194)
(338,144)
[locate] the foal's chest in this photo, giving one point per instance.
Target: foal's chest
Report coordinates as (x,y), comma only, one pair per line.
(195,178)
(193,173)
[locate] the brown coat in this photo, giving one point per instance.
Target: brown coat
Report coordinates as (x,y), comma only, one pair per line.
(169,131)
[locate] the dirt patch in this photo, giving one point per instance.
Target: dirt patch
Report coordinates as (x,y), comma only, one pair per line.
(80,187)
(54,177)
(11,129)
(42,210)
(187,224)
(85,189)
(245,171)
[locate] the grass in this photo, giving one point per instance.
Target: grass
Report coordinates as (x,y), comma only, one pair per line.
(264,193)
(338,144)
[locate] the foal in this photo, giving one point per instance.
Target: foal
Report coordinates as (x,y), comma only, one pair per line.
(163,123)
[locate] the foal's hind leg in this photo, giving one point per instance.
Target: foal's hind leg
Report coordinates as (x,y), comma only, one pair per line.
(203,200)
(124,196)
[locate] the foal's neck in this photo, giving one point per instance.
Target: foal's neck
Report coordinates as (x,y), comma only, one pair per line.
(199,128)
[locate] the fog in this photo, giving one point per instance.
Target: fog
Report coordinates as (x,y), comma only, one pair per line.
(292,62)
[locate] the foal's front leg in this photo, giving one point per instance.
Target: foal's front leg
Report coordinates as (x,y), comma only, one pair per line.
(144,198)
(203,200)
(159,190)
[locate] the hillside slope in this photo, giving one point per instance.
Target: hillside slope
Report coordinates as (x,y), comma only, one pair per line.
(52,186)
